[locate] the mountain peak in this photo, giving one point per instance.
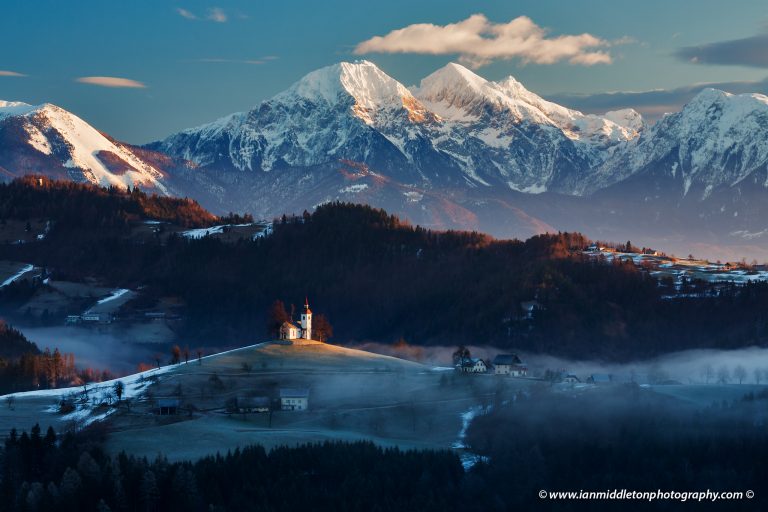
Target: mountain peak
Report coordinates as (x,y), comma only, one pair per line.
(15,108)
(513,87)
(451,77)
(709,95)
(60,139)
(362,80)
(729,109)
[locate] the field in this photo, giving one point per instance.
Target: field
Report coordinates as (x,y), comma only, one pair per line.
(353,395)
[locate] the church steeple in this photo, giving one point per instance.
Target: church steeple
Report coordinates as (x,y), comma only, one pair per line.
(306,321)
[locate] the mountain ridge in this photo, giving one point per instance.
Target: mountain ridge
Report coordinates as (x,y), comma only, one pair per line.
(456,151)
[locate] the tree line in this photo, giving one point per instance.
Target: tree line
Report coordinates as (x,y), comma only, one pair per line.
(23,366)
(381,279)
(624,437)
(72,473)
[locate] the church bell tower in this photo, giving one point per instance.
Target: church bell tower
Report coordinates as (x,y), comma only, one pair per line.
(306,321)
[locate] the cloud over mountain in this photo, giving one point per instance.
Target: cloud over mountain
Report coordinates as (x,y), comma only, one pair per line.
(478,41)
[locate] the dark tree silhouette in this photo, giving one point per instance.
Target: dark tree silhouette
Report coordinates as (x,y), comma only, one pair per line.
(119,387)
(175,354)
(276,316)
(461,355)
(321,328)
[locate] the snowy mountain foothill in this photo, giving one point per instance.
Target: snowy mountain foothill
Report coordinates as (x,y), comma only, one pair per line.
(455,151)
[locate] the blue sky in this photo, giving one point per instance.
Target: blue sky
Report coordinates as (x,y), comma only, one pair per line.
(199,60)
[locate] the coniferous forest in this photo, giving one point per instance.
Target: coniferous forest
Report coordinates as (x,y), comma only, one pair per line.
(617,438)
(72,473)
(380,279)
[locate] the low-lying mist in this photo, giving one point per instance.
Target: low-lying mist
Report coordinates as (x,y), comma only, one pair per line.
(98,350)
(704,366)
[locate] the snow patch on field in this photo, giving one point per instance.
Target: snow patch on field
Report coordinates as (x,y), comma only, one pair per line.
(115,295)
(213,230)
(17,275)
(469,459)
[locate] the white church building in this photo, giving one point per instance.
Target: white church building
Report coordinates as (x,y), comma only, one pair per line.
(290,331)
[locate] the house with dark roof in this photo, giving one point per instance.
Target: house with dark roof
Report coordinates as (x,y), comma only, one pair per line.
(294,399)
(473,366)
(509,364)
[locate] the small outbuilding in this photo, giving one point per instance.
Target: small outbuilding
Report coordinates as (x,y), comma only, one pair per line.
(168,406)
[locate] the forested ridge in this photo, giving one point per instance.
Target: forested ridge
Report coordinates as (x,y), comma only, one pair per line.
(84,205)
(72,473)
(622,437)
(380,279)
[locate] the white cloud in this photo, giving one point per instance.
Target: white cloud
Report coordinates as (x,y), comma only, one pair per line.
(185,14)
(10,73)
(217,14)
(477,41)
(111,81)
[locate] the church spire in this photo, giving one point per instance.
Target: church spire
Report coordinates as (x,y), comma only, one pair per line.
(306,321)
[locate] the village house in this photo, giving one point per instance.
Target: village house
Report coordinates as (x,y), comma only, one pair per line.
(473,366)
(294,399)
(509,364)
(290,331)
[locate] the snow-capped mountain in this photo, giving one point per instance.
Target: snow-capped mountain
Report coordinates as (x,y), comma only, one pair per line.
(456,151)
(455,129)
(501,133)
(46,139)
(717,140)
(462,151)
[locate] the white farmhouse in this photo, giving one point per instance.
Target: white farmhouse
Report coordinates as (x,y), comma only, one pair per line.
(294,399)
(509,364)
(290,331)
(473,366)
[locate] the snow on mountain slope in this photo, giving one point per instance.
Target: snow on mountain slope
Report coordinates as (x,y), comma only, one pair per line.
(717,140)
(456,129)
(372,90)
(51,136)
(458,94)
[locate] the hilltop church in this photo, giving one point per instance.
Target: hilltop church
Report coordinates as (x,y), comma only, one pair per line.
(290,331)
